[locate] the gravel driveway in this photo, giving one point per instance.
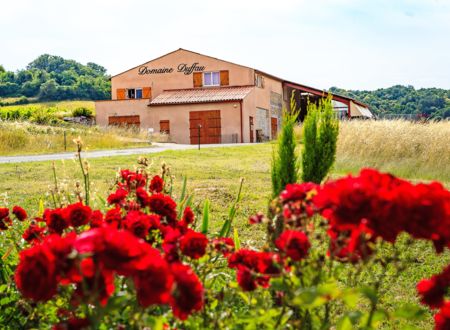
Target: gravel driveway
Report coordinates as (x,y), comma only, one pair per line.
(156,147)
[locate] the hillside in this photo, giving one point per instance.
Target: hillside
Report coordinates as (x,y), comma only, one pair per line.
(52,78)
(403,100)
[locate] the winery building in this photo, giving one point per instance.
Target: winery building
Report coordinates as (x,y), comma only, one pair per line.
(186,94)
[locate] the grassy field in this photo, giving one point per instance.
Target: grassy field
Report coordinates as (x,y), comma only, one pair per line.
(20,138)
(214,174)
(413,150)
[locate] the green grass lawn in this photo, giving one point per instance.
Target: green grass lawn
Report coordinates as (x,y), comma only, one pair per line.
(214,174)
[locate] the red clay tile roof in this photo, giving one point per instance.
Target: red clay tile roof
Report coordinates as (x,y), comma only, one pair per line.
(202,95)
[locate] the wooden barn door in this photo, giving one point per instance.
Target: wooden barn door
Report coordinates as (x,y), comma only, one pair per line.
(274,127)
(126,121)
(210,126)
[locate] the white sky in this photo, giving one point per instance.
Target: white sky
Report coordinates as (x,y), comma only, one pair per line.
(353,44)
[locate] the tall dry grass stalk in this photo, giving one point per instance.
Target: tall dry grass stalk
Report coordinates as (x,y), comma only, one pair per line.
(413,150)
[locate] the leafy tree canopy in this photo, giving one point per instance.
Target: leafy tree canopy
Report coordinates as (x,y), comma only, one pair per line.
(51,77)
(428,102)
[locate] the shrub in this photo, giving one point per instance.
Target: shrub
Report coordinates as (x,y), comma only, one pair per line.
(82,111)
(284,168)
(320,133)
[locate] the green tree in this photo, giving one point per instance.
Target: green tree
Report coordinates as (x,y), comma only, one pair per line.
(48,90)
(285,159)
(320,131)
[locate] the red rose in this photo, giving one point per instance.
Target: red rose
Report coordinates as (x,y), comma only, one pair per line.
(442,318)
(117,250)
(193,244)
(117,197)
(188,294)
(98,287)
(113,217)
(431,293)
(170,243)
(132,179)
(137,223)
(296,191)
(5,223)
(96,219)
(164,206)
(4,212)
(78,214)
(157,184)
(351,245)
(294,244)
(154,283)
(224,245)
(56,220)
(246,278)
(36,274)
(33,234)
(188,215)
(20,213)
(256,219)
(61,248)
(142,196)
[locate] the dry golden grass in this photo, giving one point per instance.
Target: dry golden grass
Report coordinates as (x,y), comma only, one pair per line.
(18,138)
(414,150)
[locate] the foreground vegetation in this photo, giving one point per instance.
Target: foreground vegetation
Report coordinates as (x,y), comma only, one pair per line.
(212,174)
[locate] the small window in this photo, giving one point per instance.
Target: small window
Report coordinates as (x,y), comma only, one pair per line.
(259,81)
(211,78)
(139,93)
(131,93)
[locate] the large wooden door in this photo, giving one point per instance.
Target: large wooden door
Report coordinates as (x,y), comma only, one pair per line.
(208,124)
(274,127)
(126,121)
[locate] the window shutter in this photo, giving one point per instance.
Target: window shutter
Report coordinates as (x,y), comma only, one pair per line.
(198,79)
(120,93)
(147,92)
(224,78)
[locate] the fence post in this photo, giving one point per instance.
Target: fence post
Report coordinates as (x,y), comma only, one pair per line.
(65,141)
(199,127)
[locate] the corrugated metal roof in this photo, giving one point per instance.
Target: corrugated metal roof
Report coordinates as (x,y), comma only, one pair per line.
(202,95)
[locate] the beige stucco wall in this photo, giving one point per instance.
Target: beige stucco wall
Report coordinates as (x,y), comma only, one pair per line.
(238,75)
(105,109)
(178,115)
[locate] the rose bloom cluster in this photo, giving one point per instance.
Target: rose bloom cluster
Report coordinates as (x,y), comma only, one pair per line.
(432,292)
(140,238)
(5,218)
(359,210)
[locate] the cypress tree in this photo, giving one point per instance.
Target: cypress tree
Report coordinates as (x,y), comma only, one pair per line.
(320,132)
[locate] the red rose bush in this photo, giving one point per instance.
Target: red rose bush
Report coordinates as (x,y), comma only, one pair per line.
(147,247)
